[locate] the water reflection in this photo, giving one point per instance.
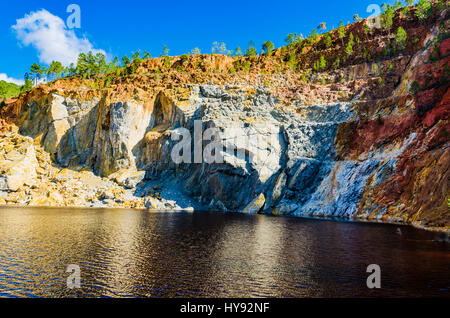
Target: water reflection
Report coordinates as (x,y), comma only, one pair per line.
(143,254)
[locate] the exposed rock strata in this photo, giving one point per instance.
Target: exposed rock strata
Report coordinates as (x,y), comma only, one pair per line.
(347,149)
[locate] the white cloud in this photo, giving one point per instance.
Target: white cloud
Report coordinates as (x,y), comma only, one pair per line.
(4,77)
(49,35)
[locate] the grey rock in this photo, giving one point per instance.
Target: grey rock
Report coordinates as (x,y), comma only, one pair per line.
(270,158)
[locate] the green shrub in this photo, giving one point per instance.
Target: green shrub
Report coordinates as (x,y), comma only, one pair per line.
(316,66)
(8,90)
(337,63)
(246,66)
(328,40)
(292,61)
(313,37)
(375,68)
(294,39)
(341,32)
(349,48)
(251,51)
(184,58)
(268,47)
(107,82)
(401,38)
(423,10)
(167,62)
(405,12)
(322,63)
(165,52)
(387,17)
(136,57)
(196,51)
(380,82)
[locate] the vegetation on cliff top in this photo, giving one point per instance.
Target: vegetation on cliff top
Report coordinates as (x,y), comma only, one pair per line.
(316,53)
(8,90)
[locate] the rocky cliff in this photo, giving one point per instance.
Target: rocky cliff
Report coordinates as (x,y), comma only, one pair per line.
(365,137)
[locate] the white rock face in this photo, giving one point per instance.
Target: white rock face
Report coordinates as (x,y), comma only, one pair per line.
(262,146)
(127,123)
(89,132)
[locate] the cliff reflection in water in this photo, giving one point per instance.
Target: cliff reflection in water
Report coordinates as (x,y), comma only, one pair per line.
(135,253)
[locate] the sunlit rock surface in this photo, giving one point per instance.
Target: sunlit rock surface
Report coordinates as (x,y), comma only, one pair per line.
(338,146)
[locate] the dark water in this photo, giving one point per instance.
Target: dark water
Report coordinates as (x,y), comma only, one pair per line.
(135,253)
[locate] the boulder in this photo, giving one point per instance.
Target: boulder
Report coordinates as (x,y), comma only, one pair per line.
(256,205)
(128,178)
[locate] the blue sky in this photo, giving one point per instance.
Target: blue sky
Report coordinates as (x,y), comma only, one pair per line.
(121,27)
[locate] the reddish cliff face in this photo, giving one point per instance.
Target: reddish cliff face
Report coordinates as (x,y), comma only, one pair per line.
(418,187)
(385,106)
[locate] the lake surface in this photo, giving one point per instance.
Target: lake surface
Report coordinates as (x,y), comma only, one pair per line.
(127,253)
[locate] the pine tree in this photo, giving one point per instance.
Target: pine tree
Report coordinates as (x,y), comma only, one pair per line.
(165,52)
(136,57)
(54,70)
(424,9)
(251,51)
(268,47)
(313,37)
(196,51)
(322,26)
(290,39)
(125,61)
(401,38)
(387,18)
(146,55)
(27,86)
(349,48)
(36,72)
(328,40)
(322,63)
(341,32)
